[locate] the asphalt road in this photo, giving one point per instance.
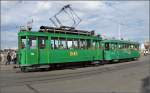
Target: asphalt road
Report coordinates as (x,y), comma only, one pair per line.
(121,77)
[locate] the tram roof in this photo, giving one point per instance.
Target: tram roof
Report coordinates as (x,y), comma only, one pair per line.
(35,33)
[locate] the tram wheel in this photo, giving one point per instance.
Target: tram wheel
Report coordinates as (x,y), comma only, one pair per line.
(24,69)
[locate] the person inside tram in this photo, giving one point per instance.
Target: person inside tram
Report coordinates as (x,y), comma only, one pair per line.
(61,46)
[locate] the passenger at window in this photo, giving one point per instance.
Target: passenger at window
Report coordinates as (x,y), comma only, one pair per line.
(61,46)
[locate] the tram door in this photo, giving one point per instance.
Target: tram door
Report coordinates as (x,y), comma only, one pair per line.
(43,50)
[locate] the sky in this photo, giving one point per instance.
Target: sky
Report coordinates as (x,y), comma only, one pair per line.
(107,18)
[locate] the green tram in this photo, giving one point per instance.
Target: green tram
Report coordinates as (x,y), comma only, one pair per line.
(52,46)
(120,49)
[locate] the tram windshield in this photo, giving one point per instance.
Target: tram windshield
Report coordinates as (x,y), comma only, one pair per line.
(32,42)
(23,42)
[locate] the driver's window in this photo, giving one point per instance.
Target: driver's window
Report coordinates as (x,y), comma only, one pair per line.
(23,42)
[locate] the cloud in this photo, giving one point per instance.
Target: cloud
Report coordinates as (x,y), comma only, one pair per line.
(9,39)
(101,16)
(42,6)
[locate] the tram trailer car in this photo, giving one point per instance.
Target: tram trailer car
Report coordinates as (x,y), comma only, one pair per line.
(115,50)
(52,46)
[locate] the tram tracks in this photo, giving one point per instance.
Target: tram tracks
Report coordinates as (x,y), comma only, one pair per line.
(67,76)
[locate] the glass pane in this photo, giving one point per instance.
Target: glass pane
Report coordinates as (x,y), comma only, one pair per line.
(56,44)
(107,46)
(32,42)
(75,44)
(42,42)
(52,44)
(69,44)
(63,44)
(23,42)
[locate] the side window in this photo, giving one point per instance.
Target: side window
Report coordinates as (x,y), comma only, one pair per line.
(62,43)
(88,44)
(107,46)
(32,42)
(123,46)
(128,46)
(56,45)
(115,45)
(120,46)
(94,44)
(75,44)
(99,44)
(81,44)
(84,44)
(52,43)
(23,42)
(70,44)
(132,46)
(42,42)
(112,46)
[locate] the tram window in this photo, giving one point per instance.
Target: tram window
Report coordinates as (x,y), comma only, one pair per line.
(32,42)
(70,44)
(88,44)
(56,44)
(23,42)
(120,46)
(107,46)
(52,44)
(42,42)
(82,44)
(100,45)
(132,46)
(112,46)
(62,44)
(94,44)
(75,44)
(115,46)
(127,45)
(123,46)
